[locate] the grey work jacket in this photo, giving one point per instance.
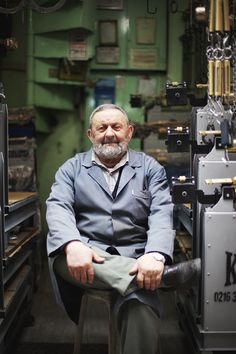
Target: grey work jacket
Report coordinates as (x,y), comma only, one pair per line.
(138,220)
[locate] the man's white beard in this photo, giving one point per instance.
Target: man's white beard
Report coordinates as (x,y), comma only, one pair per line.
(110,151)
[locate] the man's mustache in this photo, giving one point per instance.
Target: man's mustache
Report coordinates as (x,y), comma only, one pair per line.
(110,142)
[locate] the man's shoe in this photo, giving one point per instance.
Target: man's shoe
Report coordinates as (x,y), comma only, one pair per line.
(181,275)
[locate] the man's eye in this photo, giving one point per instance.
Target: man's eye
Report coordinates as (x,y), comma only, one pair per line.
(101,129)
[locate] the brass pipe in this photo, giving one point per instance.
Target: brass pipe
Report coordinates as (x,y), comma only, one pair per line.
(226,15)
(222,79)
(219,16)
(218,78)
(211,69)
(202,86)
(212,16)
(226,91)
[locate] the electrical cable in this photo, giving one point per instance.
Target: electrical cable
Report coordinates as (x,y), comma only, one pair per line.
(46,9)
(14,9)
(33,5)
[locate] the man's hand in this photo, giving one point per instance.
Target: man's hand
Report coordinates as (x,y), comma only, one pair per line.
(149,272)
(80,259)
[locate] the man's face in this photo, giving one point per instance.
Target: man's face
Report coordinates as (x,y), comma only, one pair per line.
(110,134)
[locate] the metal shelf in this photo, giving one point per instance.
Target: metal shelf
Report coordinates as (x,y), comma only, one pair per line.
(18,200)
(19,215)
(15,289)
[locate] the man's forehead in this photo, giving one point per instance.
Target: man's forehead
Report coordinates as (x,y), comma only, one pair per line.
(109,115)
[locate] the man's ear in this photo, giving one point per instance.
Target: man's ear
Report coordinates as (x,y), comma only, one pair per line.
(130,131)
(90,135)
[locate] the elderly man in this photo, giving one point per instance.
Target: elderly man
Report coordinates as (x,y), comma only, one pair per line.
(110,226)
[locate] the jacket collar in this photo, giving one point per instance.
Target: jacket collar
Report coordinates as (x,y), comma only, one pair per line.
(128,172)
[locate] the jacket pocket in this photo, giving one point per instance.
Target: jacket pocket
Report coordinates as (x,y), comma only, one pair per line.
(140,207)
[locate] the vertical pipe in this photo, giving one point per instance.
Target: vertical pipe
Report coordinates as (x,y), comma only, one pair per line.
(218,78)
(226,15)
(211,69)
(212,16)
(30,62)
(226,91)
(219,16)
(2,230)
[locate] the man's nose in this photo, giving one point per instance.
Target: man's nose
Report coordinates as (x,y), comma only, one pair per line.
(109,132)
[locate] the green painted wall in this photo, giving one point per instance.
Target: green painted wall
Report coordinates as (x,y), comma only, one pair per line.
(44,40)
(54,148)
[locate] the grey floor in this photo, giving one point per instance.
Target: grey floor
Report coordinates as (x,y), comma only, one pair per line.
(51,325)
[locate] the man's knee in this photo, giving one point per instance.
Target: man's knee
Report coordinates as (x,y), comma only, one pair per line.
(138,313)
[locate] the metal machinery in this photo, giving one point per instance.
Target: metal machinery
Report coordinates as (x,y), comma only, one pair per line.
(207,198)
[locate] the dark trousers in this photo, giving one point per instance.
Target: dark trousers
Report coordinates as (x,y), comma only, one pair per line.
(137,323)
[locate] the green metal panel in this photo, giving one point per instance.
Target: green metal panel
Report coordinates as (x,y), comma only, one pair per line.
(122,27)
(75,14)
(127,30)
(175,55)
(54,96)
(53,34)
(47,72)
(54,149)
(52,45)
(139,10)
(57,44)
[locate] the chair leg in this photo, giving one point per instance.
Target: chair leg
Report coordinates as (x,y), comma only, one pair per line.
(112,337)
(113,347)
(79,327)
